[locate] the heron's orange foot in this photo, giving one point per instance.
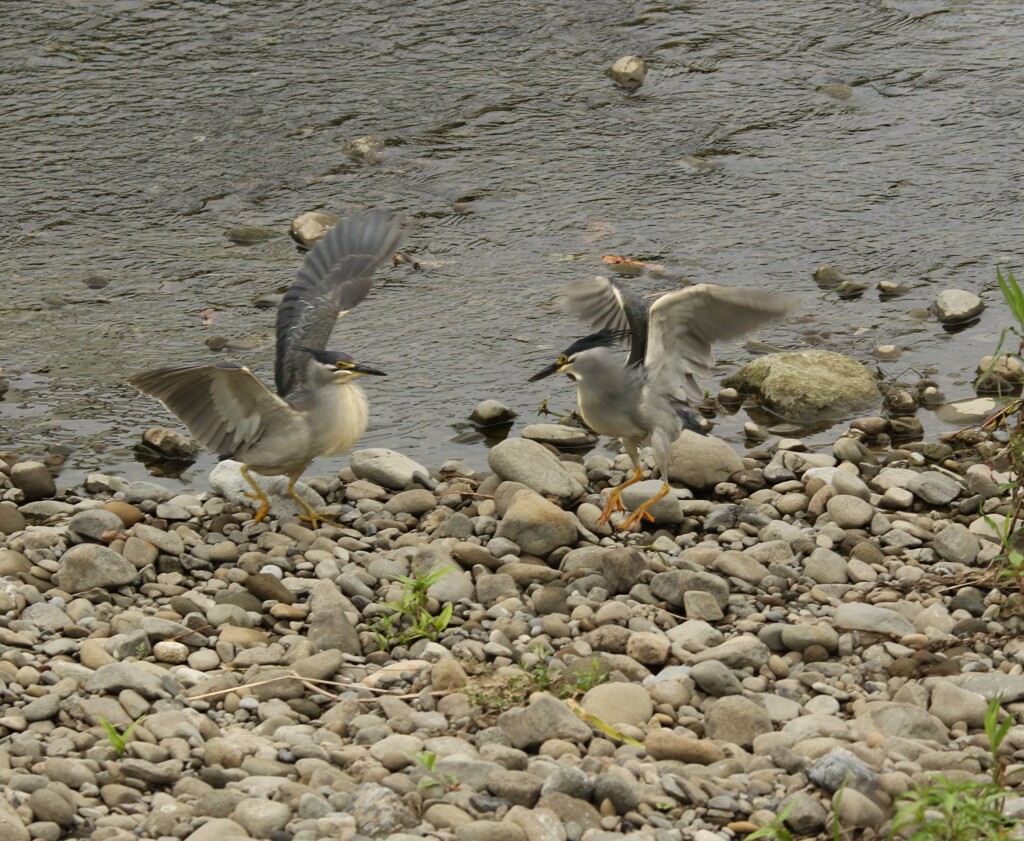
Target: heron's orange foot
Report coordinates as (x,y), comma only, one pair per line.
(315,520)
(641,513)
(261,512)
(610,507)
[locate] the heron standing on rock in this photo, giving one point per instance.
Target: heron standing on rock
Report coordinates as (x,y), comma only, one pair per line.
(318,409)
(646,398)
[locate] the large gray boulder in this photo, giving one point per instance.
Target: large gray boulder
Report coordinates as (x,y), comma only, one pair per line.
(90,565)
(227,481)
(532,464)
(536,525)
(701,461)
(808,386)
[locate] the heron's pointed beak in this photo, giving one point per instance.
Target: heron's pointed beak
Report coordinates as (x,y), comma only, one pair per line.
(553,368)
(364,370)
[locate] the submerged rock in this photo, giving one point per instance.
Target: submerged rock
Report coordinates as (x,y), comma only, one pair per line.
(246,235)
(309,227)
(559,435)
(628,71)
(368,149)
(808,386)
(491,413)
(955,306)
(170,444)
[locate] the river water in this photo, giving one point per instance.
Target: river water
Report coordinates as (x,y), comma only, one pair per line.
(882,138)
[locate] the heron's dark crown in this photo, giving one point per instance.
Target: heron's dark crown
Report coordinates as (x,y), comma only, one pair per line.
(603,338)
(328,357)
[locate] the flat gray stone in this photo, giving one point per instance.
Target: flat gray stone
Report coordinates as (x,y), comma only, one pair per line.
(904,720)
(329,625)
(227,481)
(799,637)
(559,435)
(116,677)
(716,679)
(740,565)
(956,543)
(136,492)
(389,469)
(866,617)
(739,652)
(1009,687)
(934,488)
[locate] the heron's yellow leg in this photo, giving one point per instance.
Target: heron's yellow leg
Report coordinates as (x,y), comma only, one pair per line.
(259,495)
(310,516)
(614,503)
(641,511)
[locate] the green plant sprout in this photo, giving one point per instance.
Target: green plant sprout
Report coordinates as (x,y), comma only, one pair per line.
(962,810)
(777,829)
(1010,417)
(119,739)
(427,760)
(410,619)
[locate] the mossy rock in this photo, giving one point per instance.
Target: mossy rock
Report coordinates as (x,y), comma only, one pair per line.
(808,386)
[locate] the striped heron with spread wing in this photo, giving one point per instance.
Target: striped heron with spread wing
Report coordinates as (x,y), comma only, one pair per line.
(318,409)
(646,398)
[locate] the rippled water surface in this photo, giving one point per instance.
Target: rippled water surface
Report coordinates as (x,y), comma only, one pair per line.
(882,138)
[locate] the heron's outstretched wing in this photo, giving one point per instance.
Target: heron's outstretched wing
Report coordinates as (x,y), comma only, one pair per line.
(604,305)
(684,325)
(336,276)
(223,405)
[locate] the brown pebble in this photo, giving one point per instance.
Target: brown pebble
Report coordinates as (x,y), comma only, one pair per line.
(815,654)
(129,514)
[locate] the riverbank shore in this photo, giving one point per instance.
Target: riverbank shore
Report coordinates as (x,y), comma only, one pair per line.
(796,625)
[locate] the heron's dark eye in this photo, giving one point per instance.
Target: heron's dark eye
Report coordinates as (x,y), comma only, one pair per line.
(344,366)
(562,360)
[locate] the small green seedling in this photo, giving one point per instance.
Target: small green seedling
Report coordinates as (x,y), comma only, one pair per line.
(777,829)
(962,810)
(410,619)
(118,739)
(427,760)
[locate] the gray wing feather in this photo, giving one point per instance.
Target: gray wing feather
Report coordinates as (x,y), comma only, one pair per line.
(335,277)
(224,406)
(605,305)
(684,325)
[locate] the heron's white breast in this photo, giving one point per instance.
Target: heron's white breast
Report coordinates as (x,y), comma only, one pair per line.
(345,411)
